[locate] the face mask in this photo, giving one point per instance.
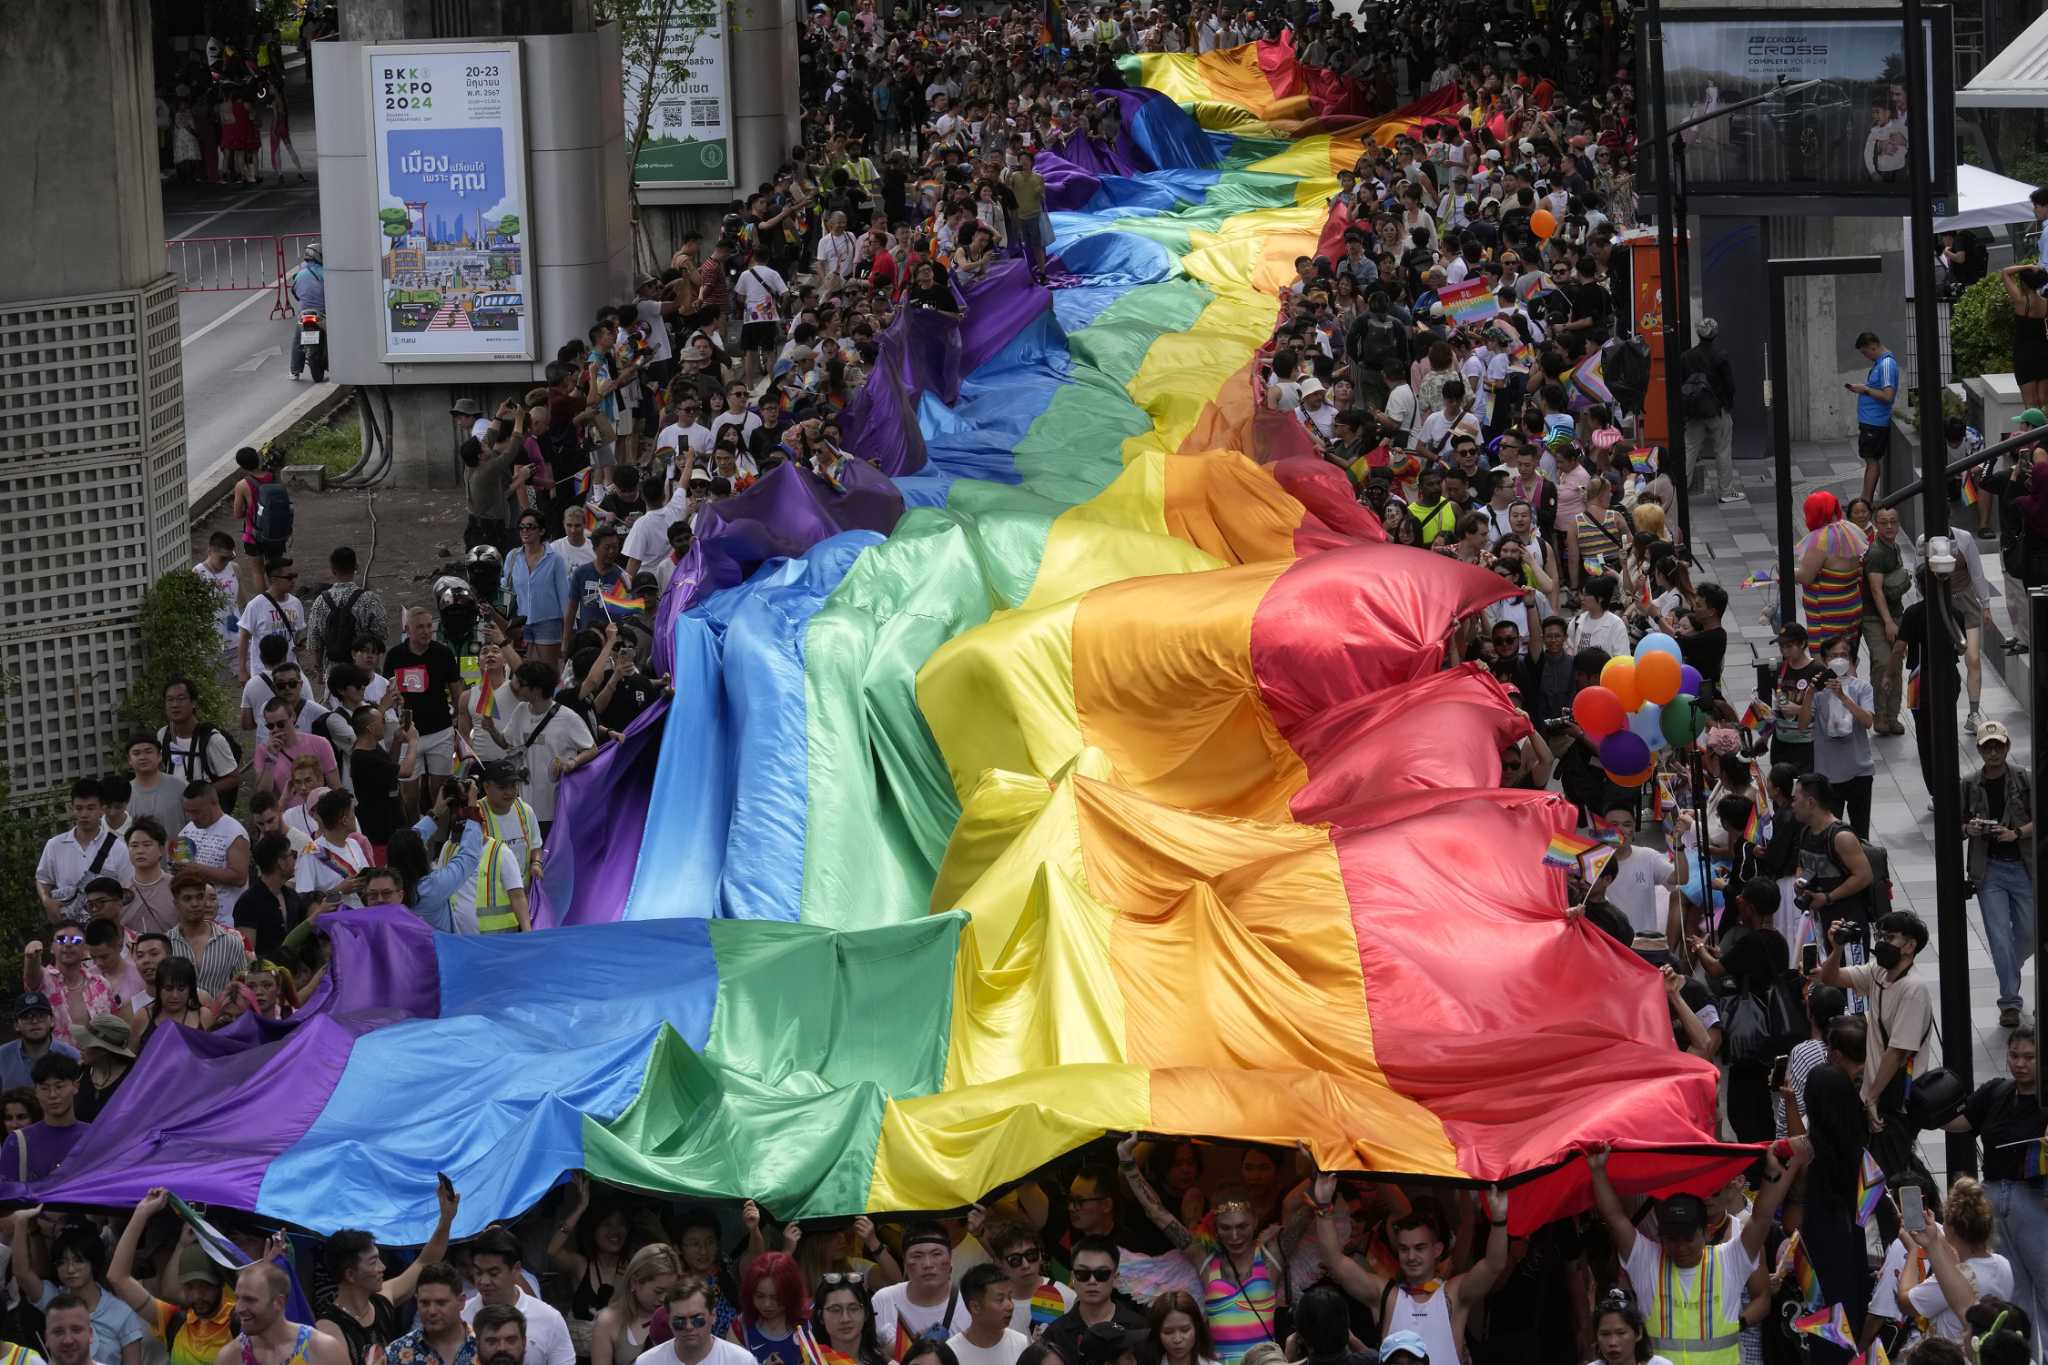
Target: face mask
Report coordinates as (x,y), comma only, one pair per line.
(1887,954)
(1840,667)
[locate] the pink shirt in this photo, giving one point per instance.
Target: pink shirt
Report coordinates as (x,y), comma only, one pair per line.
(1571,493)
(273,763)
(99,999)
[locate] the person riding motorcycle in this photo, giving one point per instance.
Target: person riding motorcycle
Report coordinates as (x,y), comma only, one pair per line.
(308,288)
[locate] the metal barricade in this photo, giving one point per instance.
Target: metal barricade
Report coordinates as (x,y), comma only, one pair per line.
(205,265)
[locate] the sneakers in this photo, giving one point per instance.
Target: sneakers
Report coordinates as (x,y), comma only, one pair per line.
(1971,721)
(1734,497)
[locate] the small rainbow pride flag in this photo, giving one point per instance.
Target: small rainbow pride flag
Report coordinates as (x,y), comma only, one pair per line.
(1603,831)
(1869,1188)
(1753,827)
(579,482)
(1762,578)
(619,601)
(1468,302)
(1830,1324)
(1799,1269)
(1590,379)
(1046,1306)
(1565,850)
(1874,1356)
(1643,459)
(1970,496)
(1758,721)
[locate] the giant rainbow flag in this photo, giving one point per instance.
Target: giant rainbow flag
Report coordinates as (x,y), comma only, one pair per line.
(1088,763)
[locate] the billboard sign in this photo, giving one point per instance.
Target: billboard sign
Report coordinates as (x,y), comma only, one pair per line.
(689,125)
(448,136)
(1846,137)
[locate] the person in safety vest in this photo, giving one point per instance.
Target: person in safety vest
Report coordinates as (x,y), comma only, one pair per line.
(1690,1291)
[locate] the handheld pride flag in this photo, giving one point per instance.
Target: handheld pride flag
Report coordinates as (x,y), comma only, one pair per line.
(1468,302)
(1799,1269)
(619,601)
(1869,1188)
(1566,849)
(1830,1324)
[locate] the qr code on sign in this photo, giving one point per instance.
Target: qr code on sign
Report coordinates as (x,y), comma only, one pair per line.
(671,115)
(703,113)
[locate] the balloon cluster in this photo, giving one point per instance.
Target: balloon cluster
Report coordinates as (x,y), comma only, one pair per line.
(1640,706)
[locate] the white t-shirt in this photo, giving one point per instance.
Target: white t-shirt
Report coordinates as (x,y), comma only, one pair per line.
(66,867)
(760,290)
(1606,631)
(1884,1297)
(723,1352)
(326,865)
(1645,1262)
(547,1332)
(649,312)
(1401,407)
(1004,1352)
(229,587)
(562,737)
(1991,1274)
(675,435)
(894,1311)
(648,540)
(747,422)
(210,849)
(572,555)
(1638,889)
(263,618)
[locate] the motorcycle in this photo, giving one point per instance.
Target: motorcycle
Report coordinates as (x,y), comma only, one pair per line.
(313,342)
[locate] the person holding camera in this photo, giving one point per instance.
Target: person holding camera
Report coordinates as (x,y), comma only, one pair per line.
(1901,1018)
(1998,818)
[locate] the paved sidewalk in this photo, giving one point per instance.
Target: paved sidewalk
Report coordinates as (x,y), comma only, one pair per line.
(1734,540)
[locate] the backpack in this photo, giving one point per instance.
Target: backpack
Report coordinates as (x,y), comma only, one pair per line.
(1697,396)
(1876,899)
(338,631)
(1626,365)
(272,522)
(1759,1027)
(1375,340)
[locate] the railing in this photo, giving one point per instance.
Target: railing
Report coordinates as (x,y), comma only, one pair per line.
(237,265)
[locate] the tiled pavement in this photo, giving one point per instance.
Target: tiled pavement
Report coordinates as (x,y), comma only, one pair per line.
(1735,539)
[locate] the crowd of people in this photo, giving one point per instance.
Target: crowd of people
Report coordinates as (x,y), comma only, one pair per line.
(410,753)
(218,107)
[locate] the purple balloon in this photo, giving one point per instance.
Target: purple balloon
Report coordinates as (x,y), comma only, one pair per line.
(1625,752)
(1689,681)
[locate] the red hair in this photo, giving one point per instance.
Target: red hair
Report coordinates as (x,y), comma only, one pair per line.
(1821,508)
(780,1270)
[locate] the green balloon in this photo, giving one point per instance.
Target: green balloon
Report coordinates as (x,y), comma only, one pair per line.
(1681,721)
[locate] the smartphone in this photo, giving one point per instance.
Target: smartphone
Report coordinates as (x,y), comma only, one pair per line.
(1911,1216)
(1778,1070)
(1809,959)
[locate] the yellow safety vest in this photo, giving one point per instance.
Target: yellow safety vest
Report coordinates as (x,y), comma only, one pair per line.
(1704,1328)
(493,903)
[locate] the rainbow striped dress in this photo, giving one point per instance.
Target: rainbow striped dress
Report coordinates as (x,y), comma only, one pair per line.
(1832,603)
(1241,1315)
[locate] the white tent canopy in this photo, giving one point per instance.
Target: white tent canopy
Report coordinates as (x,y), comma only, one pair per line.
(1987,199)
(2016,78)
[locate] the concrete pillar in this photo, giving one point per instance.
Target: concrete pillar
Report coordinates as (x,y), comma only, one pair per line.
(92,450)
(766,116)
(1728,263)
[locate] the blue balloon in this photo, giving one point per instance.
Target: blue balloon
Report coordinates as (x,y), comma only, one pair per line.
(1689,681)
(1647,724)
(1657,642)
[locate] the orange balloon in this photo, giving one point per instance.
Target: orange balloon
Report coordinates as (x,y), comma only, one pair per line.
(1657,677)
(1619,677)
(1632,779)
(1543,222)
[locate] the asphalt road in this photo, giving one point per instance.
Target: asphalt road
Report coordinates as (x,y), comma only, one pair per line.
(237,356)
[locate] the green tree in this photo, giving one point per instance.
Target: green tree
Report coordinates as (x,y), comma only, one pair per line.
(1980,329)
(396,222)
(179,631)
(509,225)
(656,38)
(24,826)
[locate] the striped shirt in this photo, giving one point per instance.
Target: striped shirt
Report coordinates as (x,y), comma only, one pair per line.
(1241,1315)
(216,963)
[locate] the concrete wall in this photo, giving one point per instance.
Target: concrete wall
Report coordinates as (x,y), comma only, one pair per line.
(92,451)
(89,210)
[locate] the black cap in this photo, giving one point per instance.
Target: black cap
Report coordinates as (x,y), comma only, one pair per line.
(499,771)
(32,1002)
(1681,1215)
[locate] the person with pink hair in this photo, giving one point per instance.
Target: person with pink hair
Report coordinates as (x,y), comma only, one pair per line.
(772,1303)
(1830,570)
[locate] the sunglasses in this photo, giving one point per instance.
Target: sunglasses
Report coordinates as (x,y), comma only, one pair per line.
(1098,1274)
(63,939)
(691,1320)
(842,1277)
(1018,1259)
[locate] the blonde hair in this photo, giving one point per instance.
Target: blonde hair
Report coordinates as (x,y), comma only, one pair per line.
(1649,518)
(656,1258)
(1265,1353)
(1968,1212)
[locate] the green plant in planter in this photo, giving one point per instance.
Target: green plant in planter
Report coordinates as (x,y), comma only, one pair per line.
(1980,329)
(180,635)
